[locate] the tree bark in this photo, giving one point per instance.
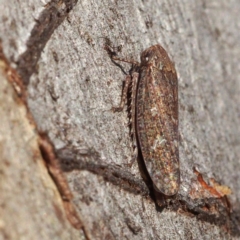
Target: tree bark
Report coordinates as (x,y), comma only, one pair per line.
(58,50)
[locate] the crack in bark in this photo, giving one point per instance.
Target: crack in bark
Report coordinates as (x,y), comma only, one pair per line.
(51,17)
(111,173)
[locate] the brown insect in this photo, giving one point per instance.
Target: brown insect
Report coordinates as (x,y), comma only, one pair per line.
(154,111)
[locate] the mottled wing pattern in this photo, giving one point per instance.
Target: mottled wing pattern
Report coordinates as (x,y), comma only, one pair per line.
(157,119)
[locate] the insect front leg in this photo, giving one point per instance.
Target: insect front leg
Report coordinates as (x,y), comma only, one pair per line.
(124,94)
(132,120)
(130,88)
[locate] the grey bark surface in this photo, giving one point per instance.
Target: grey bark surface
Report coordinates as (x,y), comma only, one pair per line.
(58,49)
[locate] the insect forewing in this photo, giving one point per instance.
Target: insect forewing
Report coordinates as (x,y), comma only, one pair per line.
(157,119)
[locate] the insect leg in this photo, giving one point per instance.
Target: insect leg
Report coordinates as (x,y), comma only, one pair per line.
(124,95)
(133,118)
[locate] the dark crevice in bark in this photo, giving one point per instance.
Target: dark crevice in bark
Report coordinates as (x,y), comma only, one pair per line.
(111,173)
(52,16)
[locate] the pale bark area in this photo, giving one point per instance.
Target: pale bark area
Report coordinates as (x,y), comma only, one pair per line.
(30,205)
(71,92)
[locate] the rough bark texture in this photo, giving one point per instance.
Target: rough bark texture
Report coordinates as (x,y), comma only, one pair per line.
(58,49)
